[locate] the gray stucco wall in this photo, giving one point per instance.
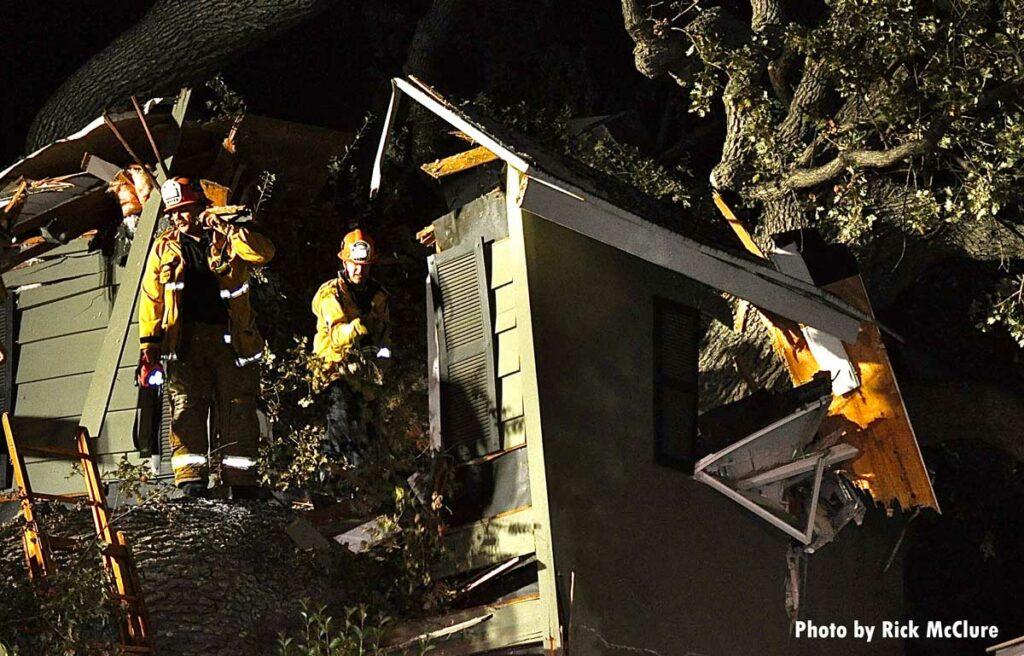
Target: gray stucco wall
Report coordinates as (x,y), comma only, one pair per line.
(662,562)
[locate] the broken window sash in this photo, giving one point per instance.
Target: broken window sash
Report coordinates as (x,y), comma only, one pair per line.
(774,456)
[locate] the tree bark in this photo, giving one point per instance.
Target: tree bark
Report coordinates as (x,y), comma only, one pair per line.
(219,579)
(176,44)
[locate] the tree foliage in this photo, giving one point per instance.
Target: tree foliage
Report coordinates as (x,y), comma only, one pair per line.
(857,114)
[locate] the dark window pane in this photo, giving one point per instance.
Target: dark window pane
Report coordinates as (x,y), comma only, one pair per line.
(675,384)
(677,425)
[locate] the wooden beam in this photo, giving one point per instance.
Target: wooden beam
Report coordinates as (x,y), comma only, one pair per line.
(737,227)
(102,385)
(457,163)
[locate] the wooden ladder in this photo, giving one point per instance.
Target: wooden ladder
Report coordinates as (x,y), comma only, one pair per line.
(135,635)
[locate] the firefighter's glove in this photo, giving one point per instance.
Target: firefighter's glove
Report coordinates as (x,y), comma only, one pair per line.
(215,222)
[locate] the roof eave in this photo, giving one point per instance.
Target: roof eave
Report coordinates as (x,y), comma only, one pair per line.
(563,203)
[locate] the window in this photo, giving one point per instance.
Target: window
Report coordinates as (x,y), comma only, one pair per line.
(676,340)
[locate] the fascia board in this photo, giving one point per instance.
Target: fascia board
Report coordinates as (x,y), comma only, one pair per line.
(385,135)
(561,203)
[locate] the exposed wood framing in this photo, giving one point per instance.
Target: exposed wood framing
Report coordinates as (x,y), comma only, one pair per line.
(457,163)
(426,236)
(431,102)
(872,418)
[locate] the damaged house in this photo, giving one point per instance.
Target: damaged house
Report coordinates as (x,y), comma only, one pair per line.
(595,509)
(72,270)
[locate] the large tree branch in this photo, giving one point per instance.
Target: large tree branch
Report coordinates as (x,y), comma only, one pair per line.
(856,159)
(812,90)
(958,408)
(765,15)
(658,51)
(807,177)
(174,45)
(777,71)
(436,27)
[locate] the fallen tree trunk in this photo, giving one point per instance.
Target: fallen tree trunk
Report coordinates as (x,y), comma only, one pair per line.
(176,44)
(220,579)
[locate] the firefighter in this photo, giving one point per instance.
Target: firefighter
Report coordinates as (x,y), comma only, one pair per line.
(352,336)
(194,314)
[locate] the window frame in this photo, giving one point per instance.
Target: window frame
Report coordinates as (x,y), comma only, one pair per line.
(661,307)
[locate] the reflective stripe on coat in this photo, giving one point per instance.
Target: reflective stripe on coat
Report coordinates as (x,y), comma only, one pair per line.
(163,284)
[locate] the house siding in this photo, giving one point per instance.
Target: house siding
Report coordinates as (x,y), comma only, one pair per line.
(58,335)
(659,561)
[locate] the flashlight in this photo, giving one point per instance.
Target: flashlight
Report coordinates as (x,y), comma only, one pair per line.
(155,377)
(152,374)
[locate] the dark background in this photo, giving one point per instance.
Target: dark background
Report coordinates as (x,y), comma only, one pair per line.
(966,564)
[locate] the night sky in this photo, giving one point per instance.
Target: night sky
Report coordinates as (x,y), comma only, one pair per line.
(44,43)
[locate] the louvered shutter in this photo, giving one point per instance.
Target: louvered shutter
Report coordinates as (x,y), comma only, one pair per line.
(676,337)
(466,370)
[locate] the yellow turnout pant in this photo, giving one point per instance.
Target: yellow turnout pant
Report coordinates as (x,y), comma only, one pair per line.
(207,378)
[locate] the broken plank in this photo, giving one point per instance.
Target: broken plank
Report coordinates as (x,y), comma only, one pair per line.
(366,536)
(484,629)
(737,226)
(874,419)
(426,236)
(457,163)
(100,167)
(306,537)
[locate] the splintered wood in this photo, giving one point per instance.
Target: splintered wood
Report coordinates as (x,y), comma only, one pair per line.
(872,417)
(458,163)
